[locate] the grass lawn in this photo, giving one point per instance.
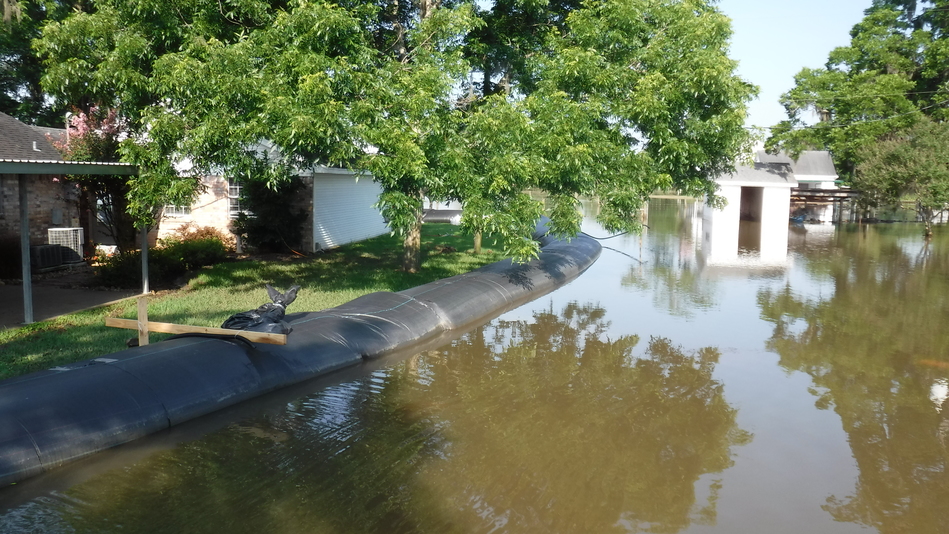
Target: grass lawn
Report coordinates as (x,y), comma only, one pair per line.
(215,293)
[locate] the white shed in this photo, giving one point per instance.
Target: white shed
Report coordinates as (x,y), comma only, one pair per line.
(759,194)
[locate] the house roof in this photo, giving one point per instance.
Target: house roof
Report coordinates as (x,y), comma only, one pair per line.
(760,175)
(810,165)
(26,150)
(56,135)
(20,142)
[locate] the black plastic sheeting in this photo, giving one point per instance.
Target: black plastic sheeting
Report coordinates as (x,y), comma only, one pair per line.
(52,417)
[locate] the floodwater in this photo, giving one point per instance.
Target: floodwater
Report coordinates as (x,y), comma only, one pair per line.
(668,389)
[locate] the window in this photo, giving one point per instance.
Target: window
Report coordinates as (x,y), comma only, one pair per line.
(3,197)
(233,198)
(177,211)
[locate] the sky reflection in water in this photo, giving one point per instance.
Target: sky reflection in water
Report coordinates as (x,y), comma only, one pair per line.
(660,392)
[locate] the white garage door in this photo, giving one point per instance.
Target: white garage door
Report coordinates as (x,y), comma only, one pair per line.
(343,209)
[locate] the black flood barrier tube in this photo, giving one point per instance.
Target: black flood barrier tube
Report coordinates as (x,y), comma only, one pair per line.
(51,417)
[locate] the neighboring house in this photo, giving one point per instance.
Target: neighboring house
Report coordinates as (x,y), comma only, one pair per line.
(813,169)
(340,205)
(52,201)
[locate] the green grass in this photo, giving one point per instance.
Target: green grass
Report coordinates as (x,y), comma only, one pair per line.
(215,293)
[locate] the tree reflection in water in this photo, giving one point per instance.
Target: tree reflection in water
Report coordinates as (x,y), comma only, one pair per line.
(526,426)
(876,350)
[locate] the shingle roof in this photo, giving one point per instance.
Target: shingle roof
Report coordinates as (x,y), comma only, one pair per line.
(808,163)
(20,142)
(774,174)
(26,150)
(55,135)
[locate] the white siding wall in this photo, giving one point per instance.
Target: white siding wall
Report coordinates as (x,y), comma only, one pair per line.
(720,240)
(775,211)
(343,209)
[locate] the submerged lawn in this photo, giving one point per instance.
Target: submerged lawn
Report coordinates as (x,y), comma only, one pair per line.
(327,280)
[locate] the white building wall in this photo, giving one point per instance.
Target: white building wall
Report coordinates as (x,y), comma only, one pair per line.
(775,211)
(720,228)
(343,209)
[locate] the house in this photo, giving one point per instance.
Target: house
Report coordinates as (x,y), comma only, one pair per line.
(52,201)
(339,203)
(40,200)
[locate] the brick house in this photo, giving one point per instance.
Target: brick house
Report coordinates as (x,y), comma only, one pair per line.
(52,201)
(339,205)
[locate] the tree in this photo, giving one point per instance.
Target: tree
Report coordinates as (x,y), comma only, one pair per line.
(105,56)
(95,136)
(891,75)
(911,164)
(614,98)
(21,94)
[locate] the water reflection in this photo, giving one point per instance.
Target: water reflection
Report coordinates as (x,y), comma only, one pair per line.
(877,353)
(669,266)
(521,426)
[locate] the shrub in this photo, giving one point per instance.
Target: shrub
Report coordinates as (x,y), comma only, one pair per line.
(195,253)
(125,269)
(172,259)
(190,231)
(270,223)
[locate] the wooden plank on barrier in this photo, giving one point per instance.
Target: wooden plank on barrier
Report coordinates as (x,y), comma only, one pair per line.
(171,328)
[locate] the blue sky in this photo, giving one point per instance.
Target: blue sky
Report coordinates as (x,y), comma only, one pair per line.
(774,39)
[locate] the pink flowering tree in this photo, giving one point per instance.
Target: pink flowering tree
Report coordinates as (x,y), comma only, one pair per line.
(95,136)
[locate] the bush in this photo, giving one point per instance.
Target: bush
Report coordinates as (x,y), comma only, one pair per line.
(172,259)
(189,232)
(195,253)
(270,223)
(125,269)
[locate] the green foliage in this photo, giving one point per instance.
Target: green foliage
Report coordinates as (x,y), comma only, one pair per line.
(269,220)
(611,98)
(913,163)
(191,231)
(890,76)
(172,259)
(21,69)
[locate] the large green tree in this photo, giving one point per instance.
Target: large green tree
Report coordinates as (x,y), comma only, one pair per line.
(21,93)
(611,98)
(893,73)
(911,164)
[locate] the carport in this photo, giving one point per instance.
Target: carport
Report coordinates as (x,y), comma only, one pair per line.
(25,155)
(25,171)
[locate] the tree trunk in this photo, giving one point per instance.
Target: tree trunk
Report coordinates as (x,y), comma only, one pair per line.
(412,246)
(477,243)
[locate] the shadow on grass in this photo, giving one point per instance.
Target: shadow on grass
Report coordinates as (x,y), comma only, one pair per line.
(372,265)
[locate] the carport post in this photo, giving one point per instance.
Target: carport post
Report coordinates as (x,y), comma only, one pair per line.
(25,250)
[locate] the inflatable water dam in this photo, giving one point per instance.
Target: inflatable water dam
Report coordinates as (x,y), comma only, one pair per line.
(55,416)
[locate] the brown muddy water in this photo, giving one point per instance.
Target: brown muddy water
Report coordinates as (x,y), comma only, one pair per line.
(659,392)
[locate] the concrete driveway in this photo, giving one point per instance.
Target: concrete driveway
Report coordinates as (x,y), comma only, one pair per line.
(51,301)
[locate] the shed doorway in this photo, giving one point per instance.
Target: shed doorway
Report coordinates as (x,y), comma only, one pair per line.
(752,200)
